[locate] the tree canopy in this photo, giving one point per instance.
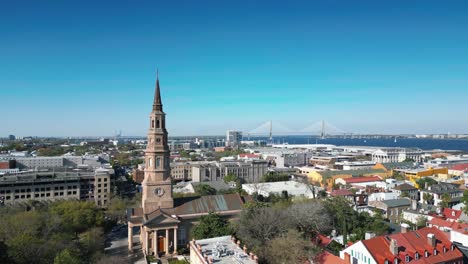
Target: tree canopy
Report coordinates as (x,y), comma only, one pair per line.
(211,225)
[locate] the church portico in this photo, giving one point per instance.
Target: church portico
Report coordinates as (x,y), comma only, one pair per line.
(158,241)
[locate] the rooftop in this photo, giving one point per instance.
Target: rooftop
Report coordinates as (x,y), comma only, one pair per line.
(221,249)
(362,179)
(410,243)
(405,187)
(354,173)
(397,202)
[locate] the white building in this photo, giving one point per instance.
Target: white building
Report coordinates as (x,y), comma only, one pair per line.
(393,155)
(293,188)
(382,196)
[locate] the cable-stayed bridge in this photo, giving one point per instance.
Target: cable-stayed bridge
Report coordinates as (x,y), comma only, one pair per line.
(320,128)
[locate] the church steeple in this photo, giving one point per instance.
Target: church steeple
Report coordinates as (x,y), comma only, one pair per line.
(157,183)
(157,103)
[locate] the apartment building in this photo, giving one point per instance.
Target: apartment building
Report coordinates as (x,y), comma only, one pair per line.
(52,185)
(249,171)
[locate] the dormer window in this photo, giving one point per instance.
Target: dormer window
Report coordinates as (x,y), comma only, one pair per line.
(395,261)
(386,262)
(407,258)
(435,252)
(416,256)
(426,254)
(452,247)
(445,249)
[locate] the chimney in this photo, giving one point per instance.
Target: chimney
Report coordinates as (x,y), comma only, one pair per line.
(347,258)
(369,235)
(394,247)
(404,228)
(431,240)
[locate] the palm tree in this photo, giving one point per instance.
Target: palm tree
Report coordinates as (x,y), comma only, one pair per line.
(428,198)
(446,199)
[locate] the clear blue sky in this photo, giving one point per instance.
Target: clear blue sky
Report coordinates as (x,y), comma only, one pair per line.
(72,68)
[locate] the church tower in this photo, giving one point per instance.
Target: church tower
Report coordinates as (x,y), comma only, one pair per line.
(157,184)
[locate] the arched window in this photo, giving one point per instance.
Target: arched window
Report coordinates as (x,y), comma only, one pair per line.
(152,123)
(157,123)
(158,162)
(150,162)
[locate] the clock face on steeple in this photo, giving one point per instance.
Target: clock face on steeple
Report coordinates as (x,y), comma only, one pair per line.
(159,191)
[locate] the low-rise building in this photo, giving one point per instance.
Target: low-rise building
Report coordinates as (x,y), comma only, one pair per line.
(407,190)
(392,209)
(248,171)
(354,165)
(362,181)
(416,174)
(222,250)
(437,191)
(329,177)
(426,245)
(181,171)
(292,188)
(391,155)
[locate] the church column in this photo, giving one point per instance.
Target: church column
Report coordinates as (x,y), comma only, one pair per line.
(147,242)
(166,242)
(175,240)
(155,242)
(130,239)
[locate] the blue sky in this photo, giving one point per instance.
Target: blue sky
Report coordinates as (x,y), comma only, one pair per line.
(75,68)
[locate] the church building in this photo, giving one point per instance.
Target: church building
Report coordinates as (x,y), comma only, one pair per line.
(165,223)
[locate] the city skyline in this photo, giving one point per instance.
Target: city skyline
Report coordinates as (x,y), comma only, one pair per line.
(234,67)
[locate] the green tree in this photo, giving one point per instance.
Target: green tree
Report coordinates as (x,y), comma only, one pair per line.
(425,180)
(404,194)
(205,189)
(445,201)
(67,257)
(211,225)
(428,198)
(78,216)
(464,200)
(275,177)
(421,221)
(290,248)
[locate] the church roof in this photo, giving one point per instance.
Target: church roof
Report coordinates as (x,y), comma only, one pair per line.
(206,204)
(189,206)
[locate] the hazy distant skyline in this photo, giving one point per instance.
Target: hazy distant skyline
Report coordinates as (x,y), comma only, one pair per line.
(89,68)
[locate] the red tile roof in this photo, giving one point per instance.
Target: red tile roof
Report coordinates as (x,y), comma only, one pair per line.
(459,227)
(411,243)
(460,167)
(452,213)
(362,179)
(341,192)
(328,258)
(323,241)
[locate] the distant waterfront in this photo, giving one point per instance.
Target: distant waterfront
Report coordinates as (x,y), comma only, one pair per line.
(425,144)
